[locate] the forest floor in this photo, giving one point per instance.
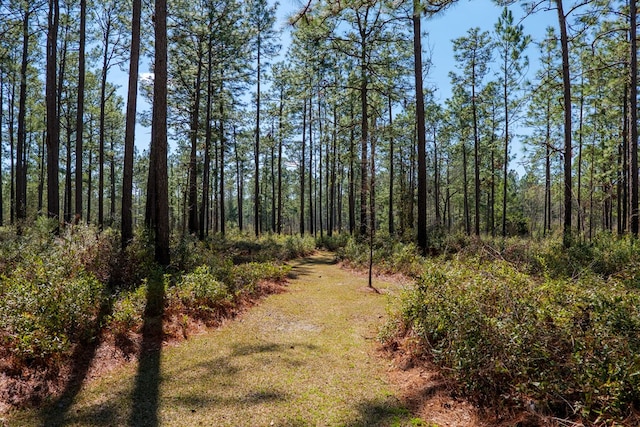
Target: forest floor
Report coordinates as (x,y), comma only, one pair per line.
(304,357)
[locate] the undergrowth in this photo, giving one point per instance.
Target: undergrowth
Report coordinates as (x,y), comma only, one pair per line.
(61,292)
(524,323)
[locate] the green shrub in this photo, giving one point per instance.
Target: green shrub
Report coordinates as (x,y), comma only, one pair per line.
(44,311)
(572,345)
(200,290)
(128,310)
(246,277)
(334,242)
(389,255)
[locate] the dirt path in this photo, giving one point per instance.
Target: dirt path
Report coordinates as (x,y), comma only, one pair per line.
(306,357)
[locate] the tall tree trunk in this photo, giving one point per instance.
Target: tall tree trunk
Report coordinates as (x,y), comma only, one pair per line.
(53,127)
(80,109)
(364,141)
(89,175)
(334,161)
(41,171)
(320,168)
(239,182)
(256,148)
(204,203)
(580,139)
(392,227)
(312,228)
(465,188)
(20,167)
(193,166)
(352,171)
(220,205)
(12,158)
(66,200)
(476,156)
(436,177)
(421,131)
(566,84)
(280,146)
(130,125)
(101,138)
(1,147)
(112,178)
(303,165)
(67,209)
(158,178)
(633,118)
(505,159)
(273,182)
(625,162)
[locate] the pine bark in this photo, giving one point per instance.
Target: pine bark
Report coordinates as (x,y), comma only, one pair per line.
(129,138)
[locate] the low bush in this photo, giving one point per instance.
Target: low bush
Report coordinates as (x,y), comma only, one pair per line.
(334,242)
(44,310)
(571,346)
(57,292)
(199,291)
(389,256)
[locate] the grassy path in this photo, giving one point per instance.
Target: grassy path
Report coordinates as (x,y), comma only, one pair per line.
(305,357)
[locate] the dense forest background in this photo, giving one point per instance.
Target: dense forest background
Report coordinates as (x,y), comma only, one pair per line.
(267,142)
(334,134)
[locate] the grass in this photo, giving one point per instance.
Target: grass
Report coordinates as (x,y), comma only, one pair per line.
(303,357)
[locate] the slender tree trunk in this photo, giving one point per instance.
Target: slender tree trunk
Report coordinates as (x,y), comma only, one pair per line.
(334,160)
(580,133)
(20,167)
(392,228)
(364,142)
(352,172)
(67,181)
(506,150)
(303,165)
(240,181)
(193,166)
(41,170)
(204,203)
(312,228)
(633,119)
(625,162)
(53,129)
(158,178)
(320,168)
(66,199)
(80,109)
(101,138)
(280,146)
(89,177)
(465,188)
(12,160)
(436,178)
(273,183)
(372,182)
(421,132)
(256,195)
(129,138)
(566,83)
(1,146)
(476,156)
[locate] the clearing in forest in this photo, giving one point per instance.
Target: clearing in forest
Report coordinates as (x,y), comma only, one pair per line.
(305,357)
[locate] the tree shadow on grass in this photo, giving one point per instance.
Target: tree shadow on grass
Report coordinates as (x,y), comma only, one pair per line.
(382,412)
(55,413)
(145,397)
(304,266)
